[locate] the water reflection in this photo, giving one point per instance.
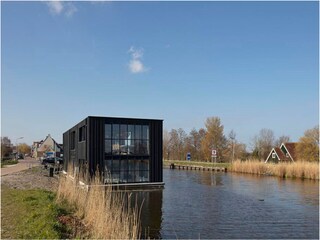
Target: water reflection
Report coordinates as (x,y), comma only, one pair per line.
(196,204)
(151,212)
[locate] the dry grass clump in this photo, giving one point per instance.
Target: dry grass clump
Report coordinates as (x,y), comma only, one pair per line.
(107,214)
(304,170)
(250,166)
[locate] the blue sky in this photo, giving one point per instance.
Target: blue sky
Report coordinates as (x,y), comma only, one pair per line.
(253,64)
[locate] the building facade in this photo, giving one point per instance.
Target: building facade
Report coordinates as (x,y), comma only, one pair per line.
(123,150)
(46,148)
(285,153)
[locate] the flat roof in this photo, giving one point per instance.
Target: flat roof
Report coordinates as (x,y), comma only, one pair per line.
(130,118)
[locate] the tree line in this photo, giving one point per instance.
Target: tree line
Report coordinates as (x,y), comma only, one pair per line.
(199,143)
(8,149)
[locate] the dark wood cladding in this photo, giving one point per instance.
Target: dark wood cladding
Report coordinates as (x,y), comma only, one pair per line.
(91,151)
(156,152)
(95,143)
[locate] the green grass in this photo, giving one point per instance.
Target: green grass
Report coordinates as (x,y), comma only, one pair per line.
(193,163)
(31,214)
(8,162)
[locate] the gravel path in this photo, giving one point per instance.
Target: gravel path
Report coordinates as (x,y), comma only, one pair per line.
(36,177)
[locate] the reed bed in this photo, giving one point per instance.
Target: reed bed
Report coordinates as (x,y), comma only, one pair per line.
(303,170)
(106,214)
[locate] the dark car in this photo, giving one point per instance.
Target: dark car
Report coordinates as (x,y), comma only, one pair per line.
(52,160)
(20,156)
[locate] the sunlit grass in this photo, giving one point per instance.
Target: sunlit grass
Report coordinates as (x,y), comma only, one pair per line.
(107,215)
(30,214)
(304,170)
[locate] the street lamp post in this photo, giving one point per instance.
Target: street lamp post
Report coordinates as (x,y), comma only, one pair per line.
(17,147)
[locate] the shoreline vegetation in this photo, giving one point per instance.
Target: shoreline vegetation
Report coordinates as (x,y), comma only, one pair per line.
(106,214)
(303,170)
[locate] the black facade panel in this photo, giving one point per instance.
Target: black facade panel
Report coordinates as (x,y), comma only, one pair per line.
(66,153)
(96,144)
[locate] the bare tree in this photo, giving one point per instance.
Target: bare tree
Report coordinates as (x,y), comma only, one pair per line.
(263,143)
(166,144)
(282,139)
(173,144)
(6,147)
(181,146)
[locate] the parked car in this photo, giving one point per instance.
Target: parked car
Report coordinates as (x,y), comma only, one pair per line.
(20,156)
(52,160)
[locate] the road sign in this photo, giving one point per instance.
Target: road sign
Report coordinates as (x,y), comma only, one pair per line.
(214,153)
(188,156)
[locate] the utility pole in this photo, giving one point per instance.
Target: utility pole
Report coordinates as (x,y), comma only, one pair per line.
(232,136)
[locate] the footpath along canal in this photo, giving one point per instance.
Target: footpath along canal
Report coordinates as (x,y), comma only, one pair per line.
(205,204)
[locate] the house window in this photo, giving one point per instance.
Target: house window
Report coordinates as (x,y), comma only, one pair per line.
(82,134)
(287,155)
(73,140)
(127,150)
(273,155)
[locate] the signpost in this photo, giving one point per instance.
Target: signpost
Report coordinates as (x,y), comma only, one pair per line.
(188,156)
(214,155)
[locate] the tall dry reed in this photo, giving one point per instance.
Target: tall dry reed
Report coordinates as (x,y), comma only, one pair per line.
(107,214)
(304,170)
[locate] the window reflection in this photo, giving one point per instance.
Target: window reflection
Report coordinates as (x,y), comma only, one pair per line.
(126,147)
(145,132)
(115,165)
(115,131)
(123,131)
(107,134)
(131,131)
(137,132)
(115,147)
(107,146)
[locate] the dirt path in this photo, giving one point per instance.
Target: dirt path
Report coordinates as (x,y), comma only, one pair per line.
(22,165)
(36,177)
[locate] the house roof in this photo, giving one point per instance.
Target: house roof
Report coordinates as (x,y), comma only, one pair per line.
(280,153)
(291,146)
(42,147)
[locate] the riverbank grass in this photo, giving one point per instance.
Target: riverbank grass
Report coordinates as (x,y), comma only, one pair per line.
(303,170)
(30,214)
(106,214)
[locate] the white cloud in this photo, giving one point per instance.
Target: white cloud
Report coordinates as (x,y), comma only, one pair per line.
(58,7)
(55,7)
(70,9)
(135,64)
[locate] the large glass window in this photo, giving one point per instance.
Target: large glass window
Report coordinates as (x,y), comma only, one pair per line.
(115,131)
(108,146)
(115,147)
(145,132)
(107,134)
(126,153)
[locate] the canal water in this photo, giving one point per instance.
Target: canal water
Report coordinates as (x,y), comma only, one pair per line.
(206,205)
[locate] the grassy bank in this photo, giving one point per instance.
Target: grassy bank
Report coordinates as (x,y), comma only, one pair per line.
(105,213)
(5,162)
(303,170)
(193,163)
(30,214)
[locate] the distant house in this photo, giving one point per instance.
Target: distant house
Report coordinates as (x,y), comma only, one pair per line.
(34,148)
(285,153)
(47,147)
